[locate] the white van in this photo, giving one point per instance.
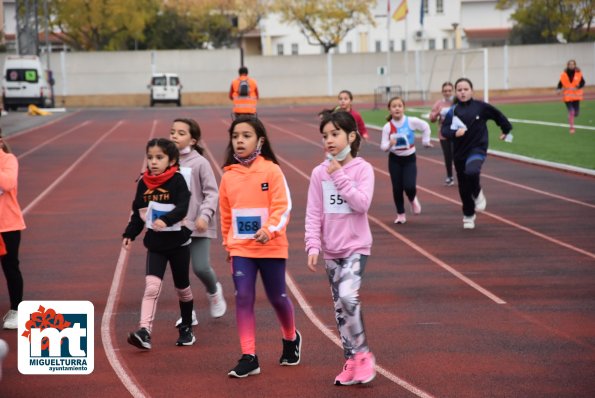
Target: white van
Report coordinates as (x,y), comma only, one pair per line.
(24,82)
(165,87)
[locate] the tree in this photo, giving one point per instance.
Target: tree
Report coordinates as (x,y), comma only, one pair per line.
(102,24)
(548,21)
(326,22)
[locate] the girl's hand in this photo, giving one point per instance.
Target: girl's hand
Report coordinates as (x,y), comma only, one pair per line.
(333,166)
(228,258)
(460,132)
(502,136)
(312,260)
(126,243)
(158,225)
(261,236)
(201,224)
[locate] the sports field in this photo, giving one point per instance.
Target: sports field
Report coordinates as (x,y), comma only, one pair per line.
(540,131)
(505,310)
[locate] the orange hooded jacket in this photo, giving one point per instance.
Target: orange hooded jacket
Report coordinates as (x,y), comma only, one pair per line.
(251,198)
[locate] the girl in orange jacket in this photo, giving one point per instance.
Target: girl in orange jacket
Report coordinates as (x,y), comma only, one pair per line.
(255,203)
(571,84)
(11,225)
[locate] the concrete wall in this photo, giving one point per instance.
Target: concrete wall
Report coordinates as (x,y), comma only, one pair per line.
(121,78)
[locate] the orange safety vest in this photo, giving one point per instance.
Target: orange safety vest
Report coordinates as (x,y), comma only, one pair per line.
(244,104)
(571,90)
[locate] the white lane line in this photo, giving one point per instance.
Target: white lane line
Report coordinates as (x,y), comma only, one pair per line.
(107,328)
(417,248)
(492,215)
(23,132)
(58,180)
(54,138)
(305,306)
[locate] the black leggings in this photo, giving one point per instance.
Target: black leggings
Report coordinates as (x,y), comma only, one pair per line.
(468,173)
(447,148)
(10,266)
(403,174)
(179,261)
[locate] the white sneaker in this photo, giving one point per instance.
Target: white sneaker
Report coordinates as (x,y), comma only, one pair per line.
(217,303)
(11,320)
(469,222)
(480,201)
(401,219)
(194,319)
(415,206)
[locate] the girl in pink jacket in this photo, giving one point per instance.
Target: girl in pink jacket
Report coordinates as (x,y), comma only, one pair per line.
(339,196)
(11,225)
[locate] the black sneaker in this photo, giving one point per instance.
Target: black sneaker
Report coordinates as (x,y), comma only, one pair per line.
(186,335)
(141,339)
(247,366)
(291,351)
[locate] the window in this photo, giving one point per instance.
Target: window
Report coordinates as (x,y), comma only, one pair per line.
(280,49)
(439,6)
(294,49)
(174,81)
(445,44)
(378,46)
(159,81)
(349,47)
(426,10)
(22,75)
(432,44)
(391,46)
(403,45)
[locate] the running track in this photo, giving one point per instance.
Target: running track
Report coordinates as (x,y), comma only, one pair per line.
(506,310)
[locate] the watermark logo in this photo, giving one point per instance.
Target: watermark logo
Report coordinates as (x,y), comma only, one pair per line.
(56,337)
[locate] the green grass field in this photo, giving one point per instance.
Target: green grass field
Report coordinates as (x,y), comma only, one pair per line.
(551,143)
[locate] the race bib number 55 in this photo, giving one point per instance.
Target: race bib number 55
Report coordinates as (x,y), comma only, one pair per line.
(333,201)
(247,221)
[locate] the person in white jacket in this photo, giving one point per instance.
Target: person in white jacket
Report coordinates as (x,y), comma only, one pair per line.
(186,134)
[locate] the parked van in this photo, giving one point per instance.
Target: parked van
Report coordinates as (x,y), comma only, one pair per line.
(24,82)
(165,87)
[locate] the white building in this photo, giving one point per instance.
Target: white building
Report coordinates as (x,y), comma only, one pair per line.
(447,24)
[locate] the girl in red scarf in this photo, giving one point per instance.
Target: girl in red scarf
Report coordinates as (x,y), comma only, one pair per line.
(160,204)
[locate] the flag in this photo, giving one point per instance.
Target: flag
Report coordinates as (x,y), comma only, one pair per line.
(401,11)
(421,14)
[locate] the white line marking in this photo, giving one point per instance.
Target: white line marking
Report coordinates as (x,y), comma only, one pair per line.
(106,329)
(8,137)
(54,138)
(68,170)
(112,354)
(307,308)
(417,248)
(494,216)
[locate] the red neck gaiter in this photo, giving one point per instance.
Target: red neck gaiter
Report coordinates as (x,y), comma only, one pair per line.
(153,182)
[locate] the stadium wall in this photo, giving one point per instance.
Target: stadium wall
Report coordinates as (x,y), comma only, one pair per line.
(121,78)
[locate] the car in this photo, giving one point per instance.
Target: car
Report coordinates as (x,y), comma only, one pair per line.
(25,81)
(165,87)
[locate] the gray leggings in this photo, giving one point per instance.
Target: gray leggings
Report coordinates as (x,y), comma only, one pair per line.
(345,277)
(201,263)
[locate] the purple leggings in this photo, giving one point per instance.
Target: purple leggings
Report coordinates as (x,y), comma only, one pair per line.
(272,273)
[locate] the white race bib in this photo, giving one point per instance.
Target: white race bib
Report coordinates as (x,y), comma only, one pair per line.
(246,222)
(187,174)
(156,210)
(333,202)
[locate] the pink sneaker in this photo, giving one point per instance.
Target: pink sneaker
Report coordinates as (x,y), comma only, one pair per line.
(401,219)
(415,206)
(364,367)
(345,378)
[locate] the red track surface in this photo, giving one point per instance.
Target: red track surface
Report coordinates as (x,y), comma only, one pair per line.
(506,310)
